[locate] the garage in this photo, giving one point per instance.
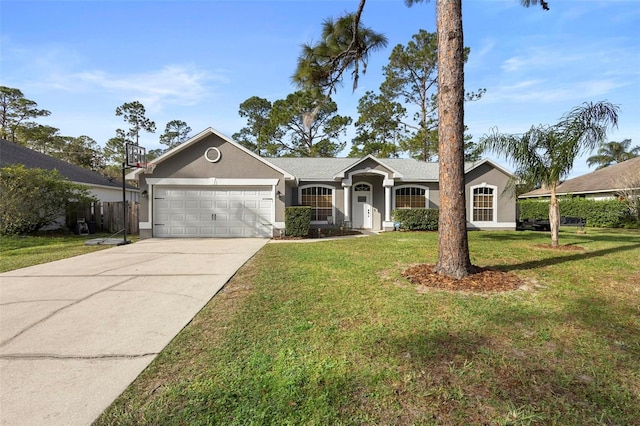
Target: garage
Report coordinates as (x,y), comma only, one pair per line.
(184,211)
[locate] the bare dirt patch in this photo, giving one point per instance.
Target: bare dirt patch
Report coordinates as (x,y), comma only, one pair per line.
(482,280)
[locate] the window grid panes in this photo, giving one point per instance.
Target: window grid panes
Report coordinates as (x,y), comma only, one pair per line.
(320,199)
(411,198)
(483,204)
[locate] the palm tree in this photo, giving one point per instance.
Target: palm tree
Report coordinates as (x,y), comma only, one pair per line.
(544,155)
(613,152)
(453,246)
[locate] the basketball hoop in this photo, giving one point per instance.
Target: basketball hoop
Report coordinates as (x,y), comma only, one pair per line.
(135,155)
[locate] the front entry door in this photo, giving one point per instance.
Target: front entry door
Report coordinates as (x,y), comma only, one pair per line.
(362,211)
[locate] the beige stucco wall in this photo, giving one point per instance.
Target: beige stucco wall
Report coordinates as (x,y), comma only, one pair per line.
(236,163)
(485,173)
(191,163)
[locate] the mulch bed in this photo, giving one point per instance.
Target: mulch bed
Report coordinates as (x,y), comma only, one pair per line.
(483,280)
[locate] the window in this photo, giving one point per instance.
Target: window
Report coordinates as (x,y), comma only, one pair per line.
(362,187)
(321,199)
(483,204)
(411,197)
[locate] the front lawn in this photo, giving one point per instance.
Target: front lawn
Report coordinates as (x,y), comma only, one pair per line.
(331,333)
(19,252)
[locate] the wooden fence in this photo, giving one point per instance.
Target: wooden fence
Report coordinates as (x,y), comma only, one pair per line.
(104,216)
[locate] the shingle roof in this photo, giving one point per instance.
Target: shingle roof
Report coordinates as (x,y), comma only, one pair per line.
(312,168)
(412,169)
(327,168)
(12,153)
(608,179)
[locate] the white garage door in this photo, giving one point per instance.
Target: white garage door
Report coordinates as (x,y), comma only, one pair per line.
(212,212)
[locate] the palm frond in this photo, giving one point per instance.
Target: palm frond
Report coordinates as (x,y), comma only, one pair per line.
(527,3)
(345,45)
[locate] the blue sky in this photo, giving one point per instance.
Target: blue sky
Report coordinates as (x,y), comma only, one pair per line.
(196,61)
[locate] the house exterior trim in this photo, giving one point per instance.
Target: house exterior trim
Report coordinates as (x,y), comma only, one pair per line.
(211,182)
(409,185)
(333,200)
(494,199)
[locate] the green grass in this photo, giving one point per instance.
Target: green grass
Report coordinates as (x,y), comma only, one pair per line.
(331,333)
(19,252)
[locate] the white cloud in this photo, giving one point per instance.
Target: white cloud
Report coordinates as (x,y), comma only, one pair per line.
(486,48)
(45,70)
(563,72)
(546,58)
(170,85)
(541,91)
(513,64)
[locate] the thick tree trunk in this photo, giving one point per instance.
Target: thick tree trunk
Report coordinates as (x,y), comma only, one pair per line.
(554,217)
(453,247)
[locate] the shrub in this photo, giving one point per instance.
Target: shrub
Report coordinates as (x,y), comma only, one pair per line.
(417,219)
(533,209)
(599,213)
(297,221)
(33,198)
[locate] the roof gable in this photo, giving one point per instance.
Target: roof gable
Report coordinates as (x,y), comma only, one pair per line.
(468,166)
(200,136)
(362,161)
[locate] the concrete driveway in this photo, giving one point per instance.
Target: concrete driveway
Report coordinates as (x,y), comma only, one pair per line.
(76,332)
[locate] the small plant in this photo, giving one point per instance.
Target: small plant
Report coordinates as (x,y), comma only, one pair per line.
(521,416)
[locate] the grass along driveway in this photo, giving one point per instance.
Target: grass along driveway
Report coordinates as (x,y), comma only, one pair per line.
(21,251)
(331,333)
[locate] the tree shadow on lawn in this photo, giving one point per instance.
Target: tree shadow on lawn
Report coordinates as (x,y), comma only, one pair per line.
(581,256)
(611,321)
(589,236)
(463,376)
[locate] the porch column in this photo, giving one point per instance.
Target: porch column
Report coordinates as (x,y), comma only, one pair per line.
(388,185)
(346,186)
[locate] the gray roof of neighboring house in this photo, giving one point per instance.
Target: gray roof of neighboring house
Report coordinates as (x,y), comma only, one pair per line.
(326,168)
(12,153)
(609,179)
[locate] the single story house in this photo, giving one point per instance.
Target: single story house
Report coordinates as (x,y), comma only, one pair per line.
(101,187)
(210,186)
(601,184)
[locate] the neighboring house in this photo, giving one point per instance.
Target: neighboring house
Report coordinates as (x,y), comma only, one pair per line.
(210,186)
(601,184)
(102,187)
